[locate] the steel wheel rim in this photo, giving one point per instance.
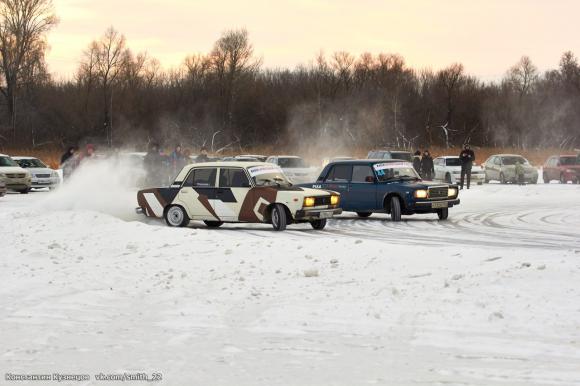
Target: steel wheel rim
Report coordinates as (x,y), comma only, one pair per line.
(175,216)
(275,218)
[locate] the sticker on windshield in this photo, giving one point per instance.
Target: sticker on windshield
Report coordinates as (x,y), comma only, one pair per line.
(266,169)
(392,165)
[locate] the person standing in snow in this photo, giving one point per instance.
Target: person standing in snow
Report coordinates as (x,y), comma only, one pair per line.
(467,156)
(177,160)
(69,162)
(427,167)
(202,157)
(417,161)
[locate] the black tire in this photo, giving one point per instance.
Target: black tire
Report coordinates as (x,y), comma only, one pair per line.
(502,179)
(213,224)
(25,191)
(443,213)
(395,209)
(448,178)
(175,216)
(279,218)
(545,178)
(363,214)
(318,224)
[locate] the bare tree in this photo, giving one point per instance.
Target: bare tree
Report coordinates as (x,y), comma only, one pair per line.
(23,28)
(523,75)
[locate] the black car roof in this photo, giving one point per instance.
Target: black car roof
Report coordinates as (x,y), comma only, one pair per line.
(366,161)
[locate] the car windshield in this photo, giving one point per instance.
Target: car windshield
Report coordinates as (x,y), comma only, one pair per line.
(7,161)
(395,171)
(404,155)
(268,175)
(453,162)
(31,163)
(292,163)
(569,160)
(509,161)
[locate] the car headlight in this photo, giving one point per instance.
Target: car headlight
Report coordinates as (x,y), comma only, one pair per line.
(421,193)
(452,192)
(54,174)
(334,200)
(308,201)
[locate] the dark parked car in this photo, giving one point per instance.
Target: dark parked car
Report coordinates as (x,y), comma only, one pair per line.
(390,154)
(563,168)
(385,186)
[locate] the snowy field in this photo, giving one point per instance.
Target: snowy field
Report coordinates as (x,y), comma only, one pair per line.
(490,297)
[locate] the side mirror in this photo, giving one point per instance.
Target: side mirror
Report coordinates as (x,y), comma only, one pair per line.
(369,179)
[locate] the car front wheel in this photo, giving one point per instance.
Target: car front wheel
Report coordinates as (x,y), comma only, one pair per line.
(395,209)
(176,216)
(443,213)
(318,224)
(214,224)
(279,218)
(363,214)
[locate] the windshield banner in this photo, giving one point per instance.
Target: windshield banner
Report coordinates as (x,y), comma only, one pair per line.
(265,169)
(392,165)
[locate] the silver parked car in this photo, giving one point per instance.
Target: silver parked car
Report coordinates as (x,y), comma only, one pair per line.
(502,168)
(15,177)
(42,176)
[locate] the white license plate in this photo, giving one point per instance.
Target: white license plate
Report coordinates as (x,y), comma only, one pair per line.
(442,204)
(325,214)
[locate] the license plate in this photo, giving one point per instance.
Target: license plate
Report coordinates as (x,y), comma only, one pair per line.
(442,204)
(325,214)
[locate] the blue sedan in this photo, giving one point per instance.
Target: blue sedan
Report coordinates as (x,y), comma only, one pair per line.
(385,186)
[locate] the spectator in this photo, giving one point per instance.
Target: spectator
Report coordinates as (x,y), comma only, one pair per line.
(427,167)
(467,156)
(202,157)
(417,161)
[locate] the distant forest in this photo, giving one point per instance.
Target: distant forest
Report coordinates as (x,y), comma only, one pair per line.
(226,99)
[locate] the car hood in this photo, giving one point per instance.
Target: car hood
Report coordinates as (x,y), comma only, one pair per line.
(12,169)
(314,192)
(40,170)
(417,184)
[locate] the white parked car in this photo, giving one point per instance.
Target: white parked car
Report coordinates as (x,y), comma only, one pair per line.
(295,168)
(15,177)
(41,175)
(448,169)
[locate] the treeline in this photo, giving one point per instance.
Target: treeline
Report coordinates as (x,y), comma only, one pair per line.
(225,99)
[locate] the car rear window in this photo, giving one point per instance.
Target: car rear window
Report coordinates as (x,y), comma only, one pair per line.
(7,161)
(404,155)
(291,163)
(453,162)
(339,173)
(509,161)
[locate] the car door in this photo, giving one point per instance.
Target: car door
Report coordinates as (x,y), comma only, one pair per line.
(338,179)
(362,189)
(197,193)
(439,166)
(233,187)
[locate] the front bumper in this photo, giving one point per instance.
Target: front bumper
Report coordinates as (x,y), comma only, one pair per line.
(18,183)
(45,182)
(316,214)
(431,206)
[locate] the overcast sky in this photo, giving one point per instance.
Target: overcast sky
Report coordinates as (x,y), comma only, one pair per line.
(487,36)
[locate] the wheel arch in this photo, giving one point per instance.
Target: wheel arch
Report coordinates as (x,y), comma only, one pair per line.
(387,200)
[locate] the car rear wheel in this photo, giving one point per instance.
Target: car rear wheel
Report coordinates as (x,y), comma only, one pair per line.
(279,218)
(363,214)
(25,191)
(443,213)
(175,216)
(318,224)
(395,209)
(214,224)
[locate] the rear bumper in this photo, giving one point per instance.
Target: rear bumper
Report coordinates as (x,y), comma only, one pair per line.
(316,214)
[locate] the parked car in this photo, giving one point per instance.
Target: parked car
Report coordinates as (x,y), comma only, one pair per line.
(563,168)
(219,192)
(15,177)
(2,187)
(260,158)
(295,168)
(502,168)
(448,169)
(41,175)
(390,154)
(389,186)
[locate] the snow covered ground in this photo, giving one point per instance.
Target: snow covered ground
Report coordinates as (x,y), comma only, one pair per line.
(490,297)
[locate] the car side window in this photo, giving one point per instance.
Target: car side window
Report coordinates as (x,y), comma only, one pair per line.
(233,178)
(339,173)
(204,178)
(497,161)
(362,173)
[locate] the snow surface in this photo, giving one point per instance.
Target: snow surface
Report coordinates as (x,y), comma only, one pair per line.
(489,297)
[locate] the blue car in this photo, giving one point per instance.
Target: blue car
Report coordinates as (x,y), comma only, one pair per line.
(385,186)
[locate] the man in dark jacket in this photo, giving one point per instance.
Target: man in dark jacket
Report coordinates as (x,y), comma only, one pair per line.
(427,167)
(202,157)
(417,161)
(467,156)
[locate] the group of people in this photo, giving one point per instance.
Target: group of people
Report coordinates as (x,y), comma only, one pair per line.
(73,157)
(161,168)
(423,164)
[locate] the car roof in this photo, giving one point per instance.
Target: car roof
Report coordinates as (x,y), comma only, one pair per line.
(448,156)
(285,156)
(23,157)
(508,155)
(565,155)
(390,150)
(367,161)
(4,155)
(222,164)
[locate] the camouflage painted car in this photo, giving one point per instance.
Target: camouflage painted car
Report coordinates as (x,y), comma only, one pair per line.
(220,192)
